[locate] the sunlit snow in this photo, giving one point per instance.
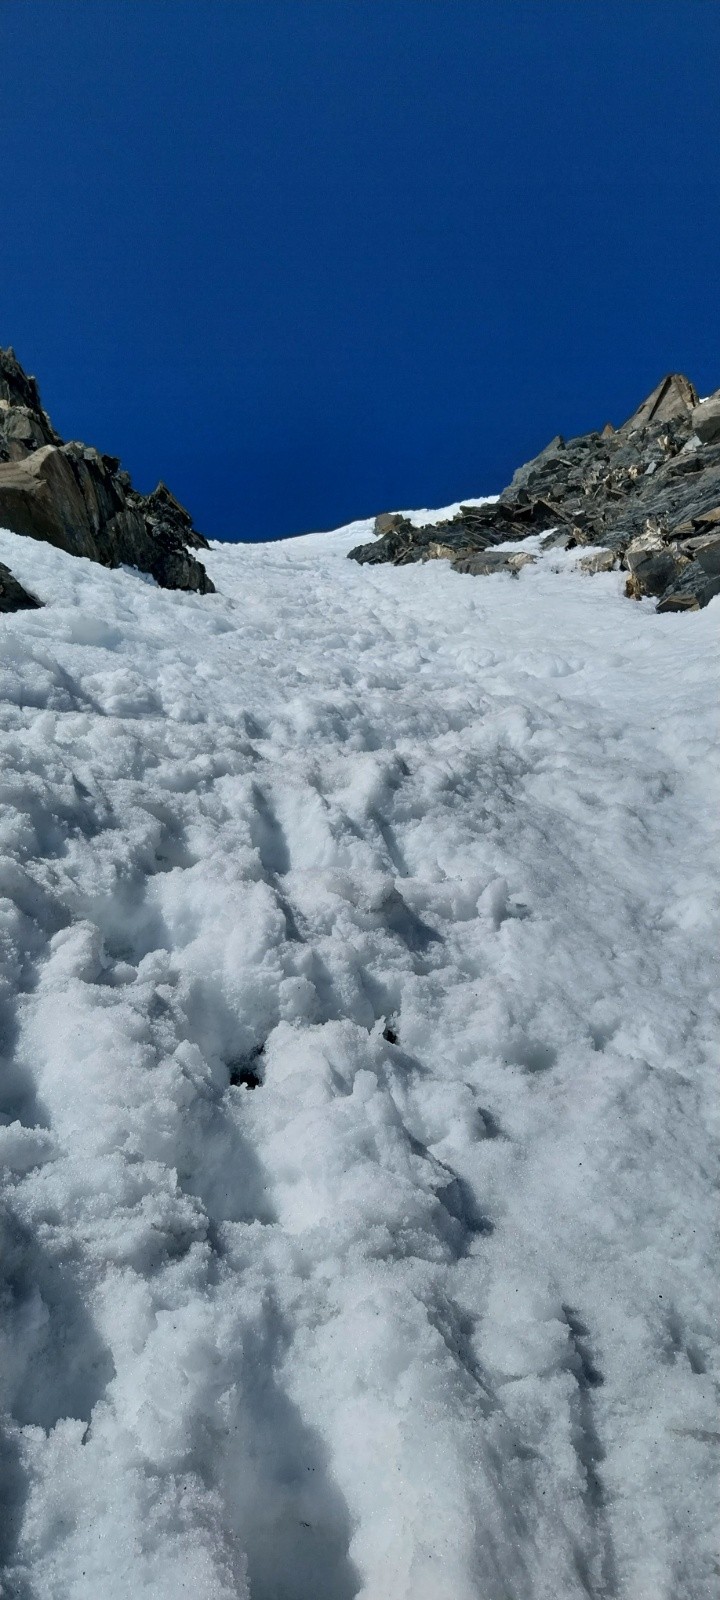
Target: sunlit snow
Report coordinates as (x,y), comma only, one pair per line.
(429,1313)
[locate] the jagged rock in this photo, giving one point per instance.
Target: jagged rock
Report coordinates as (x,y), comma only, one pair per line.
(653,564)
(640,493)
(162,510)
(673,397)
(81,501)
(706,419)
(12,595)
(18,389)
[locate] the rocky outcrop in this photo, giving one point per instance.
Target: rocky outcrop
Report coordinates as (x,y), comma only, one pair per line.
(674,397)
(648,494)
(81,501)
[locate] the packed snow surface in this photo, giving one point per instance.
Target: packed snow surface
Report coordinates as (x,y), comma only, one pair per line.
(359,931)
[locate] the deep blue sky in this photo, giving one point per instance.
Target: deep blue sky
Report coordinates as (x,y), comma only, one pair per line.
(310,259)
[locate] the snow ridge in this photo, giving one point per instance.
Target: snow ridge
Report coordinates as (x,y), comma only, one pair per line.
(429,1311)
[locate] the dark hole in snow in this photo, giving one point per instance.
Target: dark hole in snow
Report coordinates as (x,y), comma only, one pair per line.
(390,1035)
(244,1070)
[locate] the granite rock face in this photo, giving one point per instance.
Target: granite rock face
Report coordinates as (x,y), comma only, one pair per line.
(647,493)
(81,501)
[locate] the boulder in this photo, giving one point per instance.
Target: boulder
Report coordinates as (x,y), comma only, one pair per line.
(706,419)
(12,595)
(602,561)
(678,602)
(693,590)
(387,521)
(653,564)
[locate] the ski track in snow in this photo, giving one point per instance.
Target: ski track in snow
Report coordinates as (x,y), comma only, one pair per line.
(423,1317)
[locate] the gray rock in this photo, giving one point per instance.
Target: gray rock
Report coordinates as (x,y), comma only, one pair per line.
(706,551)
(706,420)
(654,565)
(17,388)
(692,591)
(559,539)
(654,476)
(21,431)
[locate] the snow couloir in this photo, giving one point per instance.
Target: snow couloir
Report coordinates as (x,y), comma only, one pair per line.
(358,964)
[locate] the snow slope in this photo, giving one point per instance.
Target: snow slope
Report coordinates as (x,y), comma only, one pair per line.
(423,1318)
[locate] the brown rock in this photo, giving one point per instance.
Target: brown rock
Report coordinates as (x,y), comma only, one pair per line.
(674,396)
(604,561)
(387,522)
(41,498)
(678,602)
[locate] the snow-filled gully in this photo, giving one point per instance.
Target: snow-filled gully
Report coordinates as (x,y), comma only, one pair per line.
(358,941)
